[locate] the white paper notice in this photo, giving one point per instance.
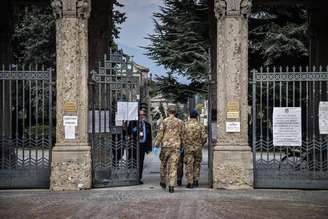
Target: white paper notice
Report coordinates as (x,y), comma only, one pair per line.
(323,118)
(69,132)
(122,110)
(70,120)
(232,126)
(132,111)
(118,122)
(287,126)
(127,111)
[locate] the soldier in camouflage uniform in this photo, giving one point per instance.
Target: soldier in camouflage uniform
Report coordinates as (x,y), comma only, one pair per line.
(195,138)
(169,137)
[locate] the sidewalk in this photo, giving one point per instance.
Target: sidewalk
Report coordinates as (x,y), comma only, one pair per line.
(150,201)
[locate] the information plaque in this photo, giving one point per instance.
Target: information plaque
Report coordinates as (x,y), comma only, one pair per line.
(287,126)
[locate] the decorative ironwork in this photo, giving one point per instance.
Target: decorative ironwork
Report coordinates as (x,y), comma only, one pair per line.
(26,135)
(114,146)
(302,166)
(291,76)
(25,75)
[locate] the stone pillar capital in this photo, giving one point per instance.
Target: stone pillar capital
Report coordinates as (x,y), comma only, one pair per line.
(71,8)
(232,8)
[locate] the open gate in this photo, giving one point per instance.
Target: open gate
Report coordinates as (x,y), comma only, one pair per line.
(26,134)
(114,146)
(297,157)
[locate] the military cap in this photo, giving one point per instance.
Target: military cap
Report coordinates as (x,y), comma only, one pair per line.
(193,113)
(171,108)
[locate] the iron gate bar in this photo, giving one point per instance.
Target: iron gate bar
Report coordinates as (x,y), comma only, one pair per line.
(289,166)
(25,144)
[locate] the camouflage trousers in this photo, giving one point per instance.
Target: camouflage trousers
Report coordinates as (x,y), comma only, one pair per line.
(169,161)
(192,160)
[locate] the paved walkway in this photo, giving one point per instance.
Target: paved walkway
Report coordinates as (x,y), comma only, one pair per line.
(137,202)
(150,201)
(152,167)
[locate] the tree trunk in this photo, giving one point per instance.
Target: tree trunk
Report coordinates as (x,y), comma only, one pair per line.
(100,31)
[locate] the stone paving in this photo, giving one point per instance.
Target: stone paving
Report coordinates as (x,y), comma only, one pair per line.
(150,201)
(133,202)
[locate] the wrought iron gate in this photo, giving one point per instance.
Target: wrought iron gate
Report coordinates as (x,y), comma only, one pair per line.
(26,126)
(285,166)
(114,144)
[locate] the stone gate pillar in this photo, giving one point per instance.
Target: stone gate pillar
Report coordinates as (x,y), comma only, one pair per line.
(232,162)
(71,157)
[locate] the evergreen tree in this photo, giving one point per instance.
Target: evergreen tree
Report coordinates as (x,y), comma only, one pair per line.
(34,35)
(174,91)
(278,36)
(180,39)
(118,18)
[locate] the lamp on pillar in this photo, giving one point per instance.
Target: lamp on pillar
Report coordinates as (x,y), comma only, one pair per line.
(71,155)
(232,157)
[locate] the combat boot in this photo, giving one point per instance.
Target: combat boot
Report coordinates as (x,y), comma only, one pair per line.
(195,184)
(179,182)
(189,186)
(171,189)
(163,185)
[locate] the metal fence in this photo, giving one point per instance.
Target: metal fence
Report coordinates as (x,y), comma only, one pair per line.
(115,147)
(290,165)
(26,134)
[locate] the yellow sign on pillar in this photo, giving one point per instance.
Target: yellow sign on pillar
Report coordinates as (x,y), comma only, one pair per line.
(69,107)
(233,110)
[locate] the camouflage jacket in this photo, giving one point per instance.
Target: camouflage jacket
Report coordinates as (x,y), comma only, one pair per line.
(170,133)
(195,135)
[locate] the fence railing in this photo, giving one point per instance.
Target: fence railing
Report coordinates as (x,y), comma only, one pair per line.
(26,122)
(290,165)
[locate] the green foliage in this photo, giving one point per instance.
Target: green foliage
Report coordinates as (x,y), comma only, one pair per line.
(152,89)
(199,107)
(278,36)
(35,32)
(39,130)
(34,36)
(176,92)
(180,39)
(118,18)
